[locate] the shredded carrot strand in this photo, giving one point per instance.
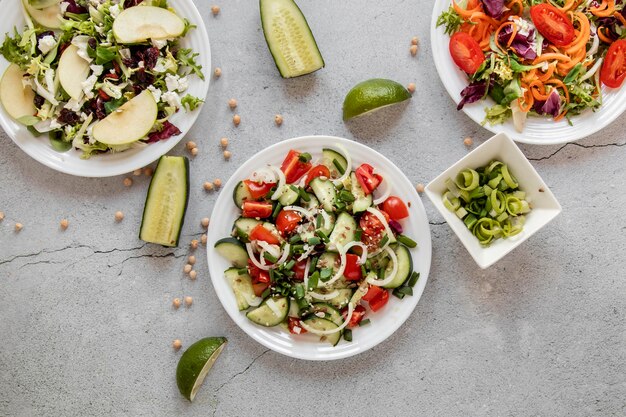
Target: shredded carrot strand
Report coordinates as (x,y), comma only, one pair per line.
(602,36)
(551,56)
(606,8)
(619,17)
(465,14)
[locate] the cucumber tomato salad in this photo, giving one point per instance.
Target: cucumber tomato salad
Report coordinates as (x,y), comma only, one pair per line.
(318,245)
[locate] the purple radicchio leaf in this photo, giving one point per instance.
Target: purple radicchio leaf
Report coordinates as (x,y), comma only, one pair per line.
(472,93)
(167,132)
(551,106)
(73,7)
(395,226)
(493,8)
(522,44)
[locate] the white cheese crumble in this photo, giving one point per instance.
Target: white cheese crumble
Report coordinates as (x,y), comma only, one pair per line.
(156,93)
(174,82)
(64,6)
(159,43)
(114,10)
(81,43)
(88,85)
(46,44)
(171,98)
(97,69)
(54,124)
(73,105)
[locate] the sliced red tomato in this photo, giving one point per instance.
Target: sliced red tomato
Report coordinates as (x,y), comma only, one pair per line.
(260,287)
(317,171)
(258,190)
(254,271)
(287,221)
(553,24)
(466,52)
(299,268)
(261,233)
(357,315)
(367,178)
(373,292)
(295,326)
(264,277)
(257,209)
(379,301)
(395,208)
(293,167)
(353,269)
(613,69)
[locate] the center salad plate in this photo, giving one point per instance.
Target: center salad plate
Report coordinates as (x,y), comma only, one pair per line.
(538,130)
(383,322)
(110,164)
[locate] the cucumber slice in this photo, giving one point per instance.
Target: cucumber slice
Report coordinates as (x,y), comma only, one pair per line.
(325,192)
(266,316)
(362,201)
(242,287)
(288,197)
(342,299)
(243,226)
(405,266)
(328,156)
(344,231)
(232,249)
(312,203)
(166,202)
(323,324)
(308,234)
(330,312)
(241,193)
(289,38)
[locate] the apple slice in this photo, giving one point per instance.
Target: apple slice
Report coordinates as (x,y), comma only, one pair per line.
(129,123)
(49,17)
(16,99)
(138,24)
(42,4)
(73,70)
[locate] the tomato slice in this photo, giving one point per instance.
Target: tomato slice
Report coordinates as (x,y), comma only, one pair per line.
(295,326)
(299,268)
(257,209)
(357,315)
(317,171)
(258,190)
(373,229)
(254,271)
(395,208)
(367,179)
(553,24)
(353,269)
(260,287)
(293,167)
(287,221)
(466,52)
(261,233)
(613,69)
(372,293)
(264,277)
(379,301)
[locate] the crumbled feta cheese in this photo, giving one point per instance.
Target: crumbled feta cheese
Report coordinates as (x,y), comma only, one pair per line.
(81,43)
(159,43)
(320,314)
(114,10)
(83,116)
(171,98)
(156,93)
(64,6)
(68,130)
(74,105)
(174,82)
(54,124)
(46,44)
(100,29)
(140,64)
(97,69)
(88,85)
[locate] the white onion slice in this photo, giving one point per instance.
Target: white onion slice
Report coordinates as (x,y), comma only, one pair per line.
(385,194)
(363,257)
(306,275)
(391,276)
(326,332)
(306,254)
(592,70)
(263,175)
(284,256)
(254,259)
(280,176)
(272,249)
(272,305)
(346,155)
(324,297)
(301,210)
(252,301)
(326,218)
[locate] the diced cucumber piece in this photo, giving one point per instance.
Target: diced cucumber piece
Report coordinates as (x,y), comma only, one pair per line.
(328,260)
(342,299)
(166,202)
(243,226)
(312,203)
(325,192)
(323,324)
(289,38)
(330,312)
(308,234)
(362,201)
(405,266)
(344,231)
(288,197)
(241,193)
(242,287)
(233,250)
(270,316)
(328,158)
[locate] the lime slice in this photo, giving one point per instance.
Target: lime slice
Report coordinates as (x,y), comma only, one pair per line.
(196,363)
(372,95)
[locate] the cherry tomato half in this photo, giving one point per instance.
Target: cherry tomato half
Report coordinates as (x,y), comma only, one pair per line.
(553,24)
(613,69)
(299,268)
(254,209)
(260,287)
(293,167)
(295,326)
(287,221)
(395,208)
(357,315)
(258,190)
(466,52)
(261,233)
(373,229)
(353,269)
(373,292)
(317,171)
(367,179)
(379,301)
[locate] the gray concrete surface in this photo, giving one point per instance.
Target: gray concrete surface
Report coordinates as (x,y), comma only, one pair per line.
(86,318)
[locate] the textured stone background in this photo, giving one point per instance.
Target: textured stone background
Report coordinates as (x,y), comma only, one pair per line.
(86,318)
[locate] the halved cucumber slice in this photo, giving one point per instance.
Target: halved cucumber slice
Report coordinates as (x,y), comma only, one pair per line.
(243,226)
(342,299)
(330,312)
(312,203)
(323,324)
(270,316)
(344,231)
(166,202)
(241,193)
(362,201)
(289,38)
(325,192)
(242,287)
(233,250)
(328,156)
(405,266)
(288,197)
(308,234)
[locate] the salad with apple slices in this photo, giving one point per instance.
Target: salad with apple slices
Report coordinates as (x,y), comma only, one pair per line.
(99,75)
(316,243)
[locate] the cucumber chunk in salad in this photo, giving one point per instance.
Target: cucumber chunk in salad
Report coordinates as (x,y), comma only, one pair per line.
(310,248)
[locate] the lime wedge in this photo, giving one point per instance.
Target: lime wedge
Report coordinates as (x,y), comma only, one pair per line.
(196,363)
(371,95)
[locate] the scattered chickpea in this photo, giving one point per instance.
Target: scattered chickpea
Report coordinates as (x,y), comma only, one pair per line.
(176,302)
(177,344)
(128,182)
(411,88)
(236,120)
(193,275)
(194,244)
(203,239)
(413,50)
(64,224)
(224,142)
(232,103)
(191,259)
(187,269)
(205,222)
(119,216)
(227,154)
(137,172)
(18,227)
(194,152)
(190,145)
(217,182)
(468,141)
(419,188)
(1,216)
(217,72)
(188,301)
(415,40)
(278,119)
(215,10)
(148,171)
(208,186)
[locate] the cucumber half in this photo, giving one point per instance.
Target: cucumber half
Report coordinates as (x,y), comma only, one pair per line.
(268,316)
(232,249)
(242,287)
(166,202)
(289,38)
(323,324)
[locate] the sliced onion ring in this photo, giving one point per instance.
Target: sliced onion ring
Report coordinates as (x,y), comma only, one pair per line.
(346,155)
(301,210)
(280,176)
(392,275)
(335,330)
(324,297)
(254,260)
(306,274)
(385,194)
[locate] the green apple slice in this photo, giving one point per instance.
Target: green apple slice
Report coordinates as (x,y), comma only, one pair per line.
(138,24)
(42,4)
(129,123)
(49,17)
(73,70)
(16,99)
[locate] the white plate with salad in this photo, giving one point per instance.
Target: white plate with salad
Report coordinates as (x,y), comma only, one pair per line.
(98,88)
(319,247)
(537,72)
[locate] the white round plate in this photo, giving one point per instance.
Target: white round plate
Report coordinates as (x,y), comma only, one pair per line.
(538,130)
(385,321)
(107,165)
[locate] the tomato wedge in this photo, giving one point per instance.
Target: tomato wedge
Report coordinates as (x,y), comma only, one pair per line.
(379,301)
(260,287)
(367,179)
(299,268)
(395,208)
(295,326)
(294,167)
(287,221)
(466,52)
(613,69)
(357,315)
(258,190)
(553,24)
(256,209)
(317,171)
(261,233)
(373,292)
(353,269)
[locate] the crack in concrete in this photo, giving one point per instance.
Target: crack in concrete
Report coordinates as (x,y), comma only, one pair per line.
(436,223)
(580,145)
(47,262)
(46,251)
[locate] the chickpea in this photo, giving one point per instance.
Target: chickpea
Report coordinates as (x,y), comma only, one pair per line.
(236,120)
(232,103)
(215,10)
(148,171)
(419,188)
(468,141)
(203,239)
(191,259)
(208,186)
(227,155)
(177,344)
(224,142)
(1,216)
(128,182)
(194,244)
(64,224)
(137,172)
(193,275)
(176,303)
(194,152)
(413,50)
(411,88)
(190,145)
(415,40)
(18,227)
(188,301)
(217,182)
(205,222)
(278,119)
(217,72)
(187,269)
(119,216)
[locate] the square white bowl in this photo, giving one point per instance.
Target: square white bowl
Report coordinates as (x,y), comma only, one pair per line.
(544,205)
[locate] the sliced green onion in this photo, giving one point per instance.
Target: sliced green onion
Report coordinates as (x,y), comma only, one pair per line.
(277,210)
(339,167)
(322,235)
(326,273)
(364,322)
(314,280)
(401,292)
(383,241)
(299,291)
(266,293)
(304,195)
(270,257)
(314,241)
(305,157)
(413,280)
(295,239)
(289,265)
(347,333)
(346,196)
(406,241)
(242,271)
